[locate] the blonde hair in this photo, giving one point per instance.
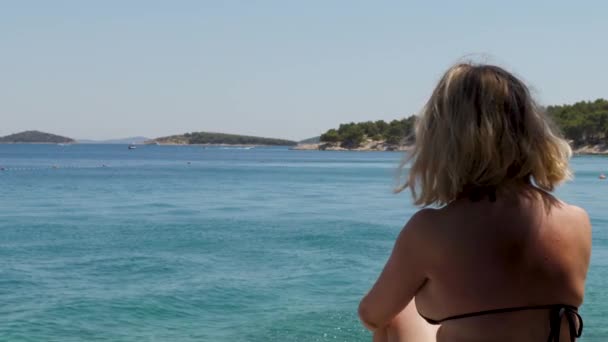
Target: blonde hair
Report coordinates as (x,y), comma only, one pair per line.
(481,128)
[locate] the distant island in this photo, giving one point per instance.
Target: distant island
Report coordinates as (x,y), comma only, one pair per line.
(208,138)
(312,140)
(130,140)
(35,137)
(396,135)
(584,124)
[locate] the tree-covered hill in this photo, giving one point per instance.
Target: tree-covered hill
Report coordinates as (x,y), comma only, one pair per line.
(351,135)
(585,122)
(221,139)
(35,137)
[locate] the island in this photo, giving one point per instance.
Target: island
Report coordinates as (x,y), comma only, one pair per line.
(35,137)
(209,138)
(396,135)
(584,124)
(123,141)
(313,140)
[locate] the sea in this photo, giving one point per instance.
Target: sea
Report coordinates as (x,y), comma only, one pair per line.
(194,243)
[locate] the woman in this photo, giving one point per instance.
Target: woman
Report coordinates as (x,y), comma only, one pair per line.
(500,259)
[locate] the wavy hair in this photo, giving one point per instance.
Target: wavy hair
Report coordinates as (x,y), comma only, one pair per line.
(481,128)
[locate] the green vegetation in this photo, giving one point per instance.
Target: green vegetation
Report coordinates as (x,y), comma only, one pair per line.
(35,137)
(585,122)
(313,140)
(351,135)
(222,139)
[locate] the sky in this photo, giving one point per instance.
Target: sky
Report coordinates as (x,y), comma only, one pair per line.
(285,69)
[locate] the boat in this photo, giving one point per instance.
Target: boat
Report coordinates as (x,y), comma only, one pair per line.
(132,147)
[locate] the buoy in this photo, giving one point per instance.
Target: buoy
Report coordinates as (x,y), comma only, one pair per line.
(602,176)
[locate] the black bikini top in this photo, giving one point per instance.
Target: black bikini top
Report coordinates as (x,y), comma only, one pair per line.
(556,313)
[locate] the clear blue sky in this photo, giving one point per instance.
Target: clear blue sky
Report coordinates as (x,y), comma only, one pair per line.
(289,69)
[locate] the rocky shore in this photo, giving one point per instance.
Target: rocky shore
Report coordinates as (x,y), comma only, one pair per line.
(369,145)
(600,149)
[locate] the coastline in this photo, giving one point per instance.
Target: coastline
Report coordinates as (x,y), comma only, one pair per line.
(367,146)
(599,149)
(370,146)
(381,146)
(212,145)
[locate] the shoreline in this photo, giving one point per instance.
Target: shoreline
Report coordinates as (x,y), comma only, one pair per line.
(367,146)
(217,145)
(380,146)
(600,149)
(370,146)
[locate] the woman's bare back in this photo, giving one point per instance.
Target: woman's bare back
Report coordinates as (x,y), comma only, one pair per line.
(525,250)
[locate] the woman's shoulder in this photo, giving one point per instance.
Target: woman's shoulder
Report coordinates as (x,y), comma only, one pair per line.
(572,217)
(420,226)
(425,226)
(559,207)
(462,216)
(424,220)
(576,212)
(561,210)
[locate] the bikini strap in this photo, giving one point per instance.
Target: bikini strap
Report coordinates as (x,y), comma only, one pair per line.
(555,322)
(556,314)
(497,311)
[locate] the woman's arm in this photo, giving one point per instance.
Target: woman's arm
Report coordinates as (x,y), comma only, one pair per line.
(402,276)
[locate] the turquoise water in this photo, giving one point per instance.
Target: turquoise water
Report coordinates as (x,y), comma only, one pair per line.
(192,244)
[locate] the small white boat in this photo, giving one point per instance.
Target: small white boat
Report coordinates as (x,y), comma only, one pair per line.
(132,147)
